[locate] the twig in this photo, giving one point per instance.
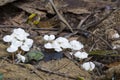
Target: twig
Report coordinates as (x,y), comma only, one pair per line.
(31,68)
(91,24)
(60,16)
(95,23)
(84,20)
(40,68)
(12,26)
(53,72)
(103,40)
(79,26)
(46,29)
(93,46)
(62,66)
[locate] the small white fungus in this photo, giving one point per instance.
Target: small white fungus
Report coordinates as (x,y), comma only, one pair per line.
(25,48)
(7,38)
(16,43)
(12,49)
(49,38)
(20,34)
(76,45)
(20,58)
(63,42)
(81,55)
(48,46)
(58,49)
(88,66)
(18,39)
(28,42)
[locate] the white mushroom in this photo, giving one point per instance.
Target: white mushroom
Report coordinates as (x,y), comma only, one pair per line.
(16,43)
(76,45)
(7,38)
(88,66)
(81,55)
(48,46)
(63,42)
(25,48)
(49,38)
(28,42)
(20,34)
(56,46)
(12,49)
(20,58)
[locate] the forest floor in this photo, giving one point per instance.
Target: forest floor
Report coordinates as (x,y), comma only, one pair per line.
(93,22)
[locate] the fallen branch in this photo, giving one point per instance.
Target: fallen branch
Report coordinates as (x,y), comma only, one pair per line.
(40,68)
(53,72)
(46,29)
(60,16)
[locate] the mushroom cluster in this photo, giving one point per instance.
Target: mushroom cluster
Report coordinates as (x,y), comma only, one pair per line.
(18,39)
(61,43)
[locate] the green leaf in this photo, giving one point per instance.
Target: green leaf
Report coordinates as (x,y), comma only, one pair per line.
(1,76)
(34,55)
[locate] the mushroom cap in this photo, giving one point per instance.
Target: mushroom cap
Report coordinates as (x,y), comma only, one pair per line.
(89,66)
(63,42)
(28,42)
(48,46)
(81,55)
(76,45)
(25,48)
(49,38)
(12,48)
(7,38)
(16,42)
(46,37)
(20,34)
(56,46)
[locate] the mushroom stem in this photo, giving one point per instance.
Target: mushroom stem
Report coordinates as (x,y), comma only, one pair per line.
(22,52)
(13,57)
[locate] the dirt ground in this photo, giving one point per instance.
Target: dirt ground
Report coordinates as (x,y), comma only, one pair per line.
(97,17)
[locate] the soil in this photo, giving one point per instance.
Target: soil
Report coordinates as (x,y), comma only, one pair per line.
(103,15)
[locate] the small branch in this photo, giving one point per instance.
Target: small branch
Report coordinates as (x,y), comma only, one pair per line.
(60,16)
(84,20)
(46,29)
(97,22)
(53,72)
(103,40)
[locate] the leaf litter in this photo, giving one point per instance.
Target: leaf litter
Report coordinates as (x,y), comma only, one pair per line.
(100,16)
